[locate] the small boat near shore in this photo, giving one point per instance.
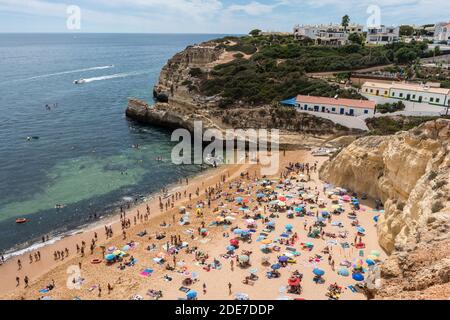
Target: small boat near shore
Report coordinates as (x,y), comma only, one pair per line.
(213,161)
(21,220)
(323,152)
(79,81)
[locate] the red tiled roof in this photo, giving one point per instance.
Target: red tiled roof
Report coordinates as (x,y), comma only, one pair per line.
(353,103)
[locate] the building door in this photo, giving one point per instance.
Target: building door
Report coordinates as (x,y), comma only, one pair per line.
(420,98)
(316,108)
(352,112)
(323,109)
(378,92)
(408,97)
(342,111)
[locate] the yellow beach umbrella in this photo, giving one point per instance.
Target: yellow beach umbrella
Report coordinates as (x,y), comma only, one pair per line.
(266,241)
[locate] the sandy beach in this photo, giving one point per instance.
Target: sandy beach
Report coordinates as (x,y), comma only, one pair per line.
(212,271)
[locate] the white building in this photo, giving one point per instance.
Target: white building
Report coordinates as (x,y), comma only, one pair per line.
(409,91)
(442,32)
(327,34)
(349,107)
(383,35)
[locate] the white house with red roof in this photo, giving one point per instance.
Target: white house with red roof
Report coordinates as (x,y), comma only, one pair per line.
(349,107)
(442,32)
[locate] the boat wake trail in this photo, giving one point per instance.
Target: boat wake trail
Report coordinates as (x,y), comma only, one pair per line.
(114,76)
(64,72)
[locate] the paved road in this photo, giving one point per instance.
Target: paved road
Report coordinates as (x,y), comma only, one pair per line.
(347,121)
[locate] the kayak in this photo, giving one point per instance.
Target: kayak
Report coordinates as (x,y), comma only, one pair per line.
(21,220)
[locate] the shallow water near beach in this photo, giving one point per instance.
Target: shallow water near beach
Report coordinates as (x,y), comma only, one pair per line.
(80,154)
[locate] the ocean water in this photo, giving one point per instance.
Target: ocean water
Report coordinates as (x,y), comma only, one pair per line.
(81,153)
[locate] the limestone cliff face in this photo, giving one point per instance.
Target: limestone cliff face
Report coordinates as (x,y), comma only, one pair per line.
(410,173)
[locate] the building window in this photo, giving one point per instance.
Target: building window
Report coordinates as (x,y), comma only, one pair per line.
(437,100)
(385,93)
(431,99)
(371,90)
(393,94)
(401,95)
(333,109)
(366,111)
(414,96)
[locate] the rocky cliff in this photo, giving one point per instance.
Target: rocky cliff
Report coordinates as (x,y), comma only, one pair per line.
(410,173)
(179,101)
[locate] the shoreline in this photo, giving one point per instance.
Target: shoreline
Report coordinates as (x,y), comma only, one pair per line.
(106,218)
(61,241)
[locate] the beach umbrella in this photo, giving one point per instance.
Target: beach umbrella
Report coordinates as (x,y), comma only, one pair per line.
(250,221)
(318,272)
(117,252)
(376,218)
(271,224)
(375,253)
(230,218)
(126,248)
(253,271)
(276,266)
(112,249)
(358,277)
(281,204)
(370,262)
(273,203)
(361,230)
(239,199)
(238,231)
(264,247)
(110,257)
(294,281)
(191,294)
(289,227)
(244,258)
(282,198)
(298,209)
(203,230)
(343,272)
(266,241)
(230,248)
(260,195)
(241,296)
(234,242)
(246,200)
(346,198)
(283,259)
(220,219)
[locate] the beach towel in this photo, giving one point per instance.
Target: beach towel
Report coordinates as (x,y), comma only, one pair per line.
(146,273)
(184,289)
(45,290)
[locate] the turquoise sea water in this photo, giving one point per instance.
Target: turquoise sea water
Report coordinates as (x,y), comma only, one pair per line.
(82,155)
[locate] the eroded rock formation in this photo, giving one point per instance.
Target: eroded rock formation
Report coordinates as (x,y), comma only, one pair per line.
(410,173)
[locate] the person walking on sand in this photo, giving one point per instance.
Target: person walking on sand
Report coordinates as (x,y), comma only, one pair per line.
(109,288)
(17,281)
(26,281)
(232,265)
(229,288)
(204,288)
(19,264)
(99,291)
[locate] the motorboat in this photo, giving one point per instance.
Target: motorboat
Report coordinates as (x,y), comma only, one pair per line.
(213,161)
(323,152)
(21,220)
(79,81)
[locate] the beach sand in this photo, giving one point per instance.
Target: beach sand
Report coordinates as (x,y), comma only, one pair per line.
(128,282)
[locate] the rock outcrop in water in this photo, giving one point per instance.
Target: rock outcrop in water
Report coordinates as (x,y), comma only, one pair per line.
(410,173)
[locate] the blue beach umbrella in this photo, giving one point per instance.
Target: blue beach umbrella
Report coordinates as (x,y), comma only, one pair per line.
(289,227)
(343,272)
(239,199)
(358,277)
(191,294)
(230,248)
(283,259)
(276,266)
(318,272)
(370,262)
(361,230)
(237,231)
(376,218)
(110,257)
(271,223)
(298,209)
(260,195)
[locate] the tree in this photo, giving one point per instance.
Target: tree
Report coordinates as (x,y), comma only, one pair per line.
(406,30)
(345,21)
(255,32)
(355,38)
(405,55)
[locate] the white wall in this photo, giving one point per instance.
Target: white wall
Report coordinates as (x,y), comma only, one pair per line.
(332,109)
(427,97)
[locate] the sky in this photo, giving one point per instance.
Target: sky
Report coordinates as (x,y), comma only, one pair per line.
(206,16)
